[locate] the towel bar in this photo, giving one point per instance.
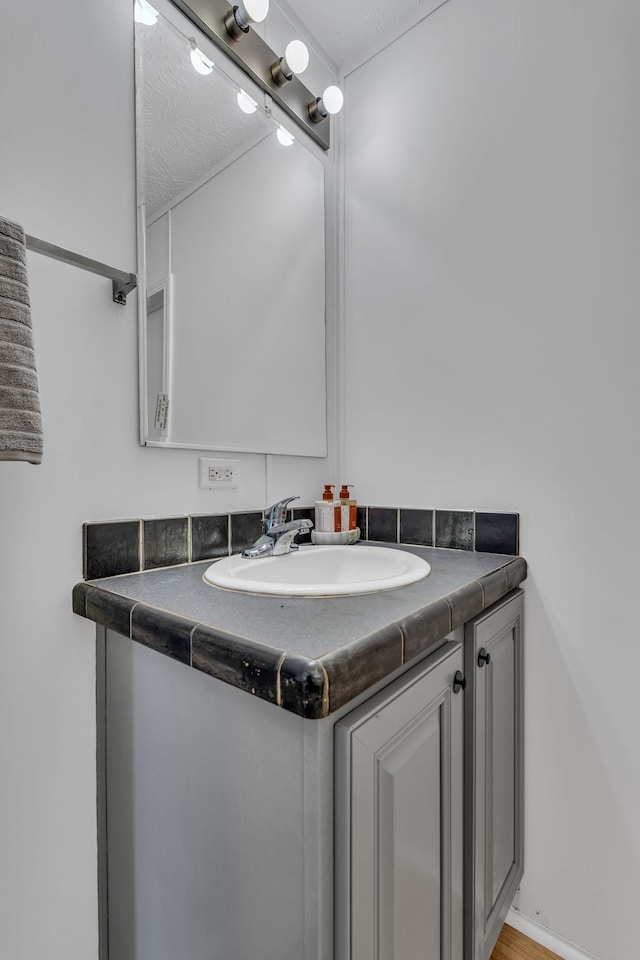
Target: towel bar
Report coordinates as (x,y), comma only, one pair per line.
(122,283)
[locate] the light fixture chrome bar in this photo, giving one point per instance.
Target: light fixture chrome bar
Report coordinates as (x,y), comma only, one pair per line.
(122,283)
(255,58)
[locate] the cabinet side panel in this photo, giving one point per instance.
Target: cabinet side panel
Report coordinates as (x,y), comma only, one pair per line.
(101,792)
(205,815)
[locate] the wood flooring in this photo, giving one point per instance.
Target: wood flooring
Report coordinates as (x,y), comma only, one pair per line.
(513,945)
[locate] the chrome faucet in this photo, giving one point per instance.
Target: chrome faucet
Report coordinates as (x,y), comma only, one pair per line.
(278,534)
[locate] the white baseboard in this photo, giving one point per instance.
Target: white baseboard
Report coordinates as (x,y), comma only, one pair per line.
(545,937)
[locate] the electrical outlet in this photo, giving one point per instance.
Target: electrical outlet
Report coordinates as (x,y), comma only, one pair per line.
(217,474)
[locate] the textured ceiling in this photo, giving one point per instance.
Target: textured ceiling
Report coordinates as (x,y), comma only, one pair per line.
(350,30)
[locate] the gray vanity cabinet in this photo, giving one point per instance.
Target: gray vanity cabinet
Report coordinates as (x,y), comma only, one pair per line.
(493,771)
(399,816)
(232,829)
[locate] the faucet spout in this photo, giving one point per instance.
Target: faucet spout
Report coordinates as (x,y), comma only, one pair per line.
(279,533)
(284,535)
(278,513)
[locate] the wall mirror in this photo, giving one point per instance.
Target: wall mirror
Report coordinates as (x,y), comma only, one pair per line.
(231,224)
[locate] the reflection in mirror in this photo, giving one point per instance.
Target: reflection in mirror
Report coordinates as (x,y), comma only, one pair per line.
(233,335)
(158,351)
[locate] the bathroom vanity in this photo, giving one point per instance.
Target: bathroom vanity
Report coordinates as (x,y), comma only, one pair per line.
(352,790)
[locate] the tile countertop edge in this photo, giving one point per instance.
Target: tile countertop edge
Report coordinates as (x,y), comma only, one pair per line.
(309,688)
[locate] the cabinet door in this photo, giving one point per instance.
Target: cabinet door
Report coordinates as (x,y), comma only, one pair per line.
(399,819)
(493,771)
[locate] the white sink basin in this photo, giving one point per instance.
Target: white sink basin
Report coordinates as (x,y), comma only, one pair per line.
(320,571)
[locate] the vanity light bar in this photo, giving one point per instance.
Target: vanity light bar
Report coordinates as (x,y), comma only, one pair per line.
(256,58)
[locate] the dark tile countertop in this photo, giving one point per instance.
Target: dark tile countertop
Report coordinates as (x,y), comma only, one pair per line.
(308,655)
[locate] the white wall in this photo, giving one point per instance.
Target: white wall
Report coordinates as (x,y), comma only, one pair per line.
(67,174)
(492,341)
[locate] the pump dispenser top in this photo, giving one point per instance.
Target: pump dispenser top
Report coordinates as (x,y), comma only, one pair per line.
(349,508)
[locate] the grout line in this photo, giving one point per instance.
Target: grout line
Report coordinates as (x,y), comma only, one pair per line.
(450,614)
(195,627)
(85,559)
(131,620)
(484,596)
(279,679)
(141,543)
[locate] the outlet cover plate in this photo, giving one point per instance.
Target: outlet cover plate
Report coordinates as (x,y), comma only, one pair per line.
(217,474)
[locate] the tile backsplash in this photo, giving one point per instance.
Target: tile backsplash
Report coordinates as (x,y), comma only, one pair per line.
(454,529)
(111,548)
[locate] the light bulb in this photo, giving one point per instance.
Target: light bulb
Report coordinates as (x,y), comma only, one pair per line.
(295,60)
(240,17)
(330,102)
(285,138)
(246,103)
(144,13)
(200,61)
(296,56)
(332,99)
(251,11)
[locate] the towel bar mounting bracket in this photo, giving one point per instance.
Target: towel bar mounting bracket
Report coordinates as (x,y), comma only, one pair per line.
(122,288)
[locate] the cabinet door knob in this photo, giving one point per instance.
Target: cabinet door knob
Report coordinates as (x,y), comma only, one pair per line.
(483,657)
(459,681)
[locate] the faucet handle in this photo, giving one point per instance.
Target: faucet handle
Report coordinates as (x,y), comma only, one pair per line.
(278,512)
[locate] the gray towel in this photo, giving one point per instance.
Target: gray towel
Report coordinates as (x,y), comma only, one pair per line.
(20,419)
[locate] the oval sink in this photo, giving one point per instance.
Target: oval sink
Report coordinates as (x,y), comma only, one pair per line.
(320,571)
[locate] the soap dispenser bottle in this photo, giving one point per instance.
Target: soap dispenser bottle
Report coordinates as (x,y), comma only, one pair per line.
(328,512)
(348,508)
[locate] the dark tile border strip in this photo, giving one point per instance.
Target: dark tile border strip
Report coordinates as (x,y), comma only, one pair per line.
(425,628)
(465,603)
(110,548)
(253,667)
(494,586)
(209,536)
(349,673)
(165,542)
(110,609)
(303,687)
(162,631)
(311,689)
(115,547)
(450,529)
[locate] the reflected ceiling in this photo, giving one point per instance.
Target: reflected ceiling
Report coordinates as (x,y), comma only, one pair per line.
(190,123)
